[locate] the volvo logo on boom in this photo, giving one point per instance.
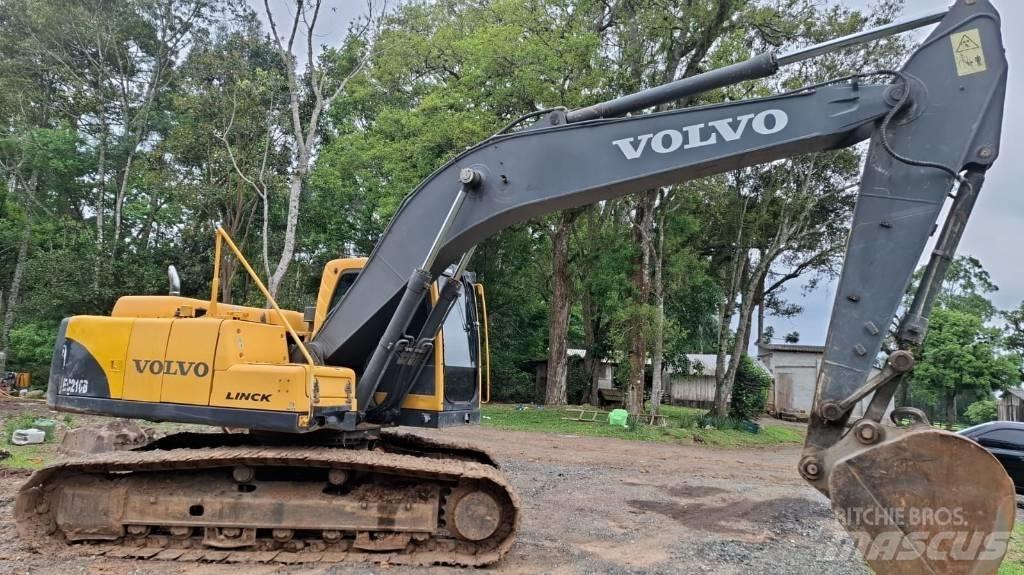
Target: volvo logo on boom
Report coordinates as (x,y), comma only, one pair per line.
(698,135)
(172,367)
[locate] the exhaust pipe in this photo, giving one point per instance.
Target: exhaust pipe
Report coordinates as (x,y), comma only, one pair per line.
(175,281)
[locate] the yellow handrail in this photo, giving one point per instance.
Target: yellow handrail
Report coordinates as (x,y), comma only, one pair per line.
(479,289)
(312,388)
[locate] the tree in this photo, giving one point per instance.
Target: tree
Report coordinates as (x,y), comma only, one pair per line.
(749,393)
(790,215)
(230,117)
(982,411)
(325,79)
(961,353)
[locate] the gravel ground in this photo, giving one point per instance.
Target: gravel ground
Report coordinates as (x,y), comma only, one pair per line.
(593,505)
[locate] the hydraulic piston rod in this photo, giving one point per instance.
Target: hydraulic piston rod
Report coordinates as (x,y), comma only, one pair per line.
(760,66)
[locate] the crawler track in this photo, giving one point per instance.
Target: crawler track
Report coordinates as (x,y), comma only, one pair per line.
(410,501)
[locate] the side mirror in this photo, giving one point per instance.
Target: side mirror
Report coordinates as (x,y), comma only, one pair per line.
(174,280)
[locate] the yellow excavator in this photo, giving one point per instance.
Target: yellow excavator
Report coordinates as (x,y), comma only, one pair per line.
(399,339)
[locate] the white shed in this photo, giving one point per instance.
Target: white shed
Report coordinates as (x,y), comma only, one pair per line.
(794,367)
(696,387)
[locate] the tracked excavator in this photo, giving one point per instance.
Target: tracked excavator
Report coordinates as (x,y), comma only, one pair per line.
(399,339)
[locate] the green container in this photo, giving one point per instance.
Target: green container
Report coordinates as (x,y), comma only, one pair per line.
(47,426)
(619,417)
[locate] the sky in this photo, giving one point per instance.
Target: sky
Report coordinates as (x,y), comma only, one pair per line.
(331,26)
(998,215)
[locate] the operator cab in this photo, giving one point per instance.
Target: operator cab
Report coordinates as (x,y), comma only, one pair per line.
(447,391)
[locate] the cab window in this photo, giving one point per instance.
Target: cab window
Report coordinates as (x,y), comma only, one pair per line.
(348,277)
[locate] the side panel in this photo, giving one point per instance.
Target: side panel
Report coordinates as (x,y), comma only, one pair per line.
(188,361)
(144,362)
(247,342)
(261,386)
(337,386)
(106,340)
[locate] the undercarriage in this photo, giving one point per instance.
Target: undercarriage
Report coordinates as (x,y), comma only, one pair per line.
(400,500)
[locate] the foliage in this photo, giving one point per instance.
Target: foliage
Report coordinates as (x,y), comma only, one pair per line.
(961,353)
(982,411)
(750,390)
(964,353)
(967,287)
(31,347)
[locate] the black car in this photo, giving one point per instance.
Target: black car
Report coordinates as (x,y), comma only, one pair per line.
(1005,440)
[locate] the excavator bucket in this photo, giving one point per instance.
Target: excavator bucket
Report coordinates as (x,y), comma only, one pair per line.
(925,502)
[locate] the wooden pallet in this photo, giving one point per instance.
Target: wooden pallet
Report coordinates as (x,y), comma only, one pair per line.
(586,415)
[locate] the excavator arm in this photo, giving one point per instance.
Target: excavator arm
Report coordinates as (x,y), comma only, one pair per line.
(933,124)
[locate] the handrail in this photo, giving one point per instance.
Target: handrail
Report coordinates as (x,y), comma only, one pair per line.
(312,388)
(479,289)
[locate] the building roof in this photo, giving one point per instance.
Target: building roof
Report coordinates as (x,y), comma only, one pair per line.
(708,364)
(704,363)
(799,348)
(1016,391)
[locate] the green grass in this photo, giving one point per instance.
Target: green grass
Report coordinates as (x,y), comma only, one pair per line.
(22,456)
(684,426)
(1013,564)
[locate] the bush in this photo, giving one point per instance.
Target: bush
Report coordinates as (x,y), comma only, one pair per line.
(982,411)
(749,390)
(31,347)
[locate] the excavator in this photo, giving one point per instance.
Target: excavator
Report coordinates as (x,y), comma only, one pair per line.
(399,339)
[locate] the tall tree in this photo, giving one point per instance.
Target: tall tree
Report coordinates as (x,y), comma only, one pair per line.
(961,353)
(325,79)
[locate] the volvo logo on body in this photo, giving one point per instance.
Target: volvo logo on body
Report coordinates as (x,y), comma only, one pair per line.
(698,135)
(172,367)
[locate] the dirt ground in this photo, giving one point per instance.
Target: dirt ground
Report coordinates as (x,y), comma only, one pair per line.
(591,505)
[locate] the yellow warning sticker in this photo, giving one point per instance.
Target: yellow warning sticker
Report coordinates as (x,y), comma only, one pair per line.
(967,52)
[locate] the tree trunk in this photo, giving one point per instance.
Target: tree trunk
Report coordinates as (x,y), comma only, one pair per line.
(295,181)
(592,360)
(950,410)
(558,320)
(101,190)
(3,347)
(265,200)
(748,299)
(228,267)
(15,288)
(101,184)
(658,353)
(19,269)
(760,314)
(641,232)
(722,389)
(122,191)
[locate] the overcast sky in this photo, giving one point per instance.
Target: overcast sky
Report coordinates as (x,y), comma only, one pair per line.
(999,215)
(331,26)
